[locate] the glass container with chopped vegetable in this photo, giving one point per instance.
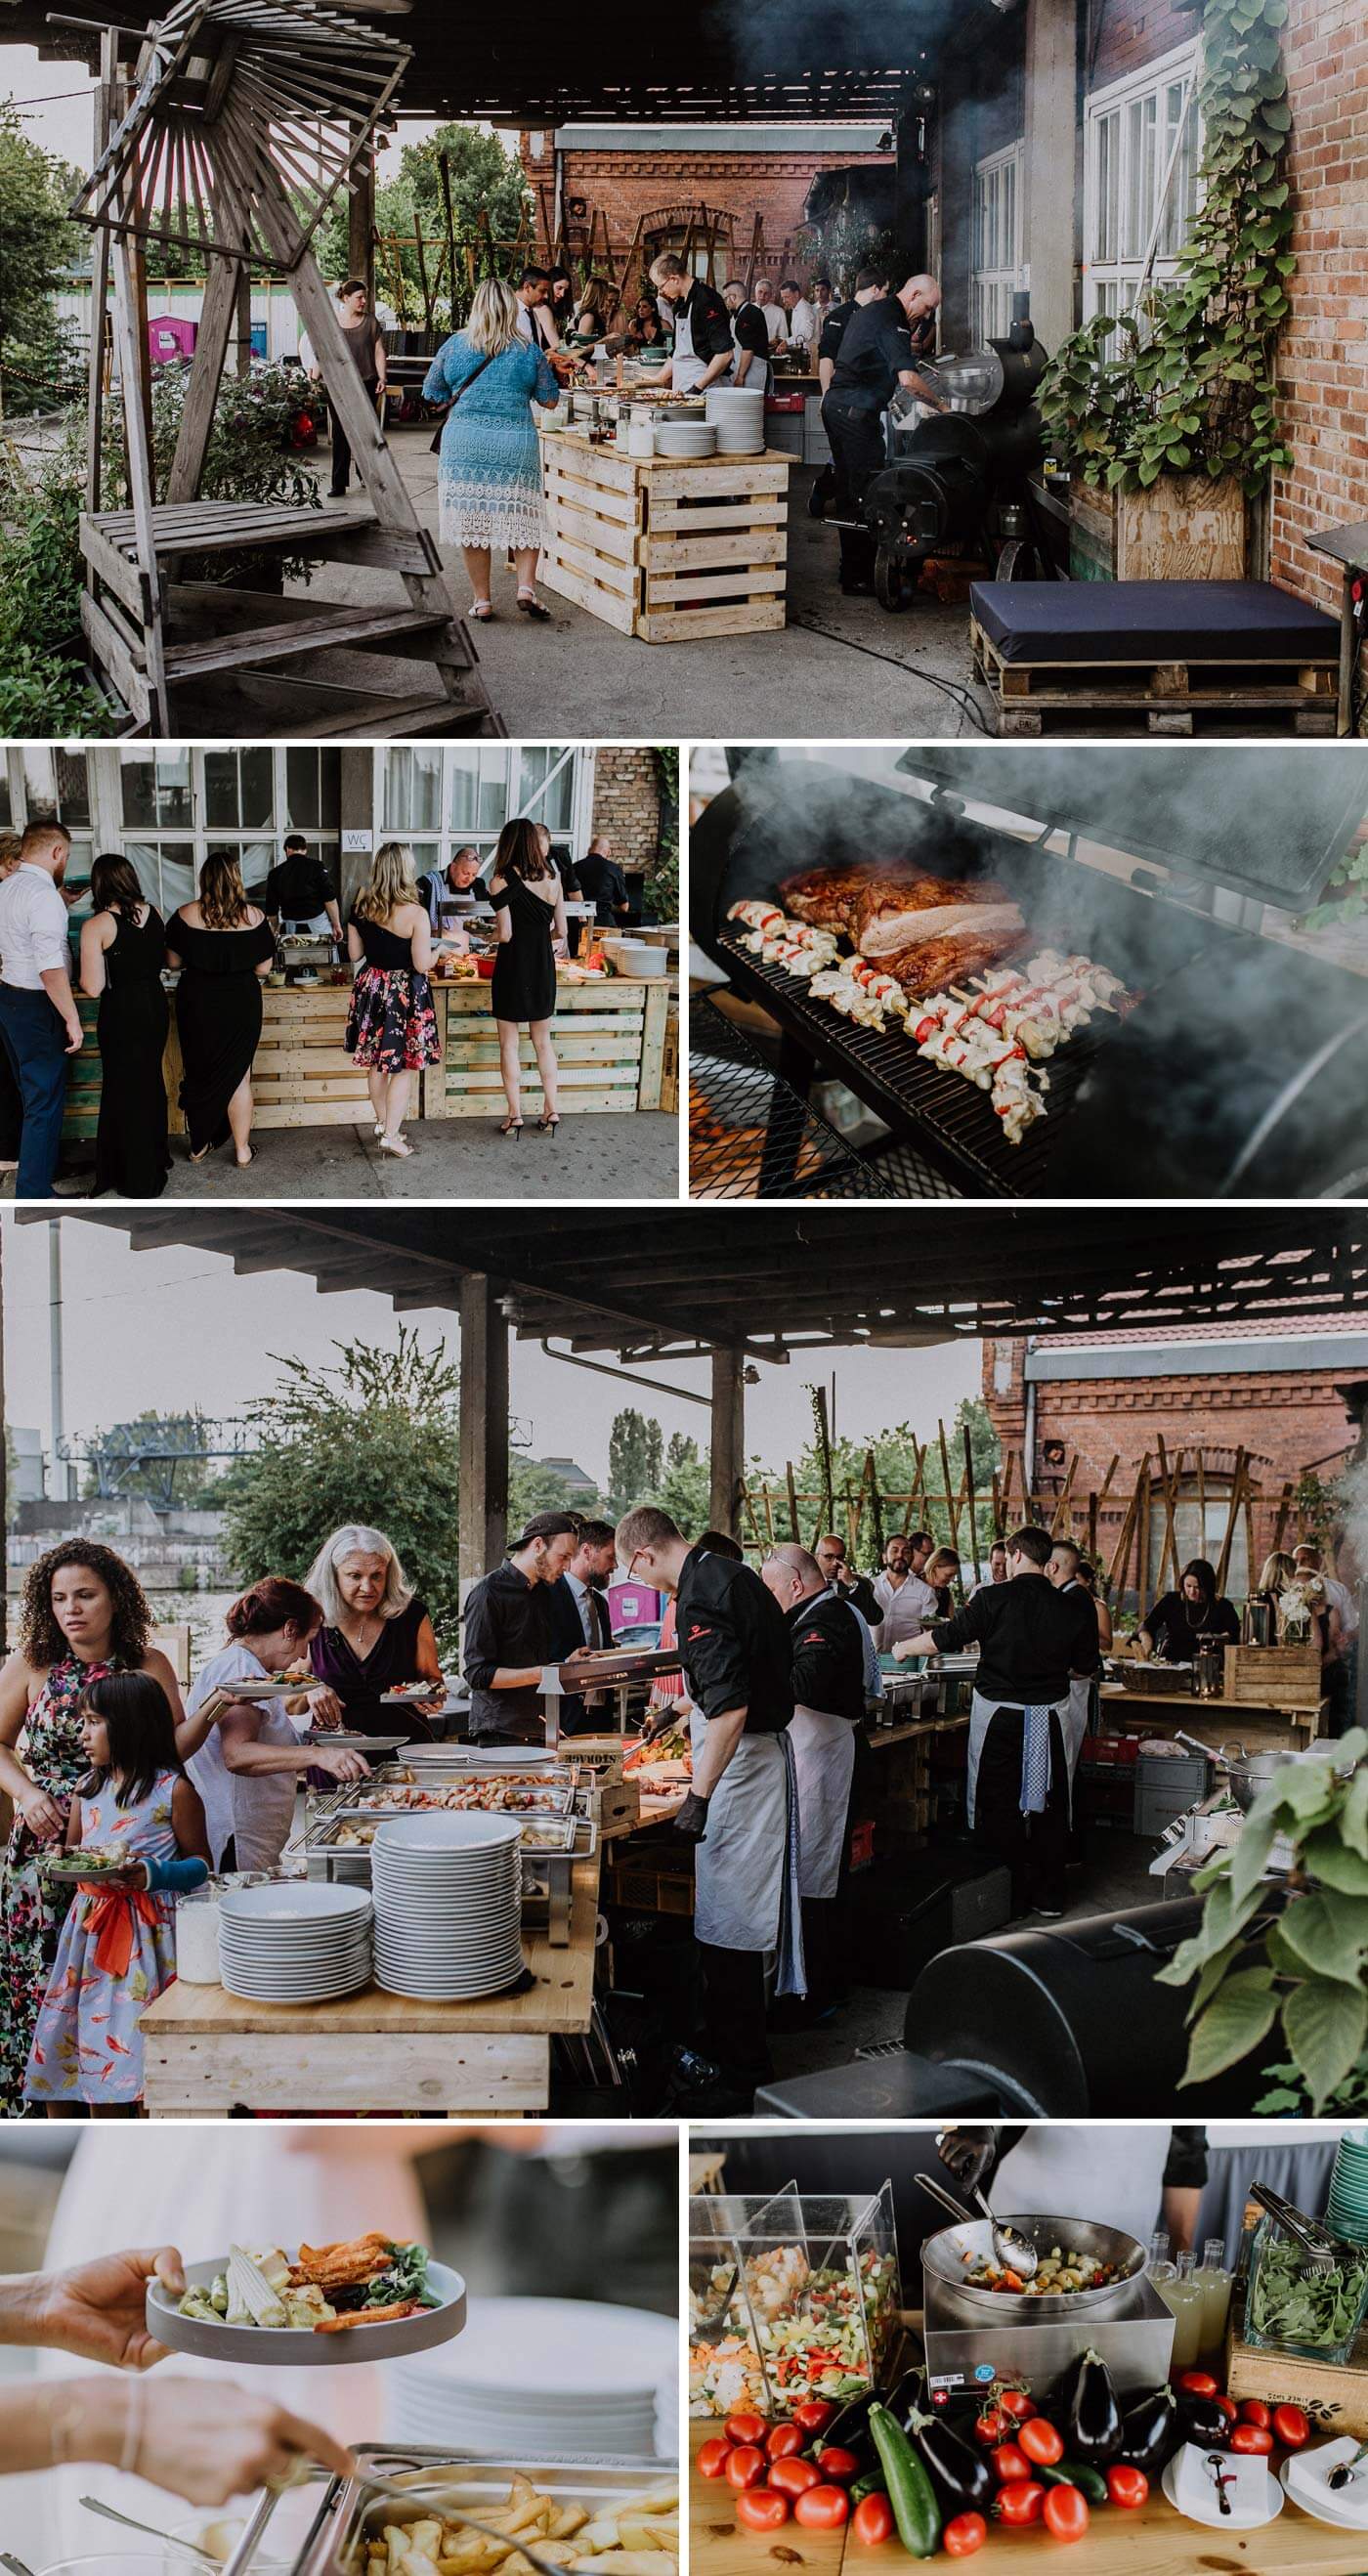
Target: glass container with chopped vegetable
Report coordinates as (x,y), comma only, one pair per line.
(1290,2309)
(791,2298)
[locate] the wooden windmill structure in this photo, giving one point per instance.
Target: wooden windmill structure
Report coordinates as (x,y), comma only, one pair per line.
(245,119)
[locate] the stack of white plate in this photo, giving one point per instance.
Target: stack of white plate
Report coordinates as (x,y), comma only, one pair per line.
(294,1942)
(685,439)
(738,415)
(448,1905)
(562,2378)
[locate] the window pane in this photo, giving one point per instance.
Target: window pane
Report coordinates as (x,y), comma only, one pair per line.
(412,790)
(138,779)
(175,801)
(493,812)
(465,769)
(1108,179)
(221,813)
(145,862)
(301,788)
(6,816)
(73,792)
(258,788)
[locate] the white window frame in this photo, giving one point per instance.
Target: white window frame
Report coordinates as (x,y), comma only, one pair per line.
(187,845)
(994,282)
(1110,284)
(432,846)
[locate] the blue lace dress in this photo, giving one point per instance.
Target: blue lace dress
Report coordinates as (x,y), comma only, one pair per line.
(489,476)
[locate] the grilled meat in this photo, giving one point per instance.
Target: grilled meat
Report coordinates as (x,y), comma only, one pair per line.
(925,964)
(884,910)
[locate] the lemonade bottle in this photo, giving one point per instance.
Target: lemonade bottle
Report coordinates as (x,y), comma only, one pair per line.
(1186,2298)
(1215,2282)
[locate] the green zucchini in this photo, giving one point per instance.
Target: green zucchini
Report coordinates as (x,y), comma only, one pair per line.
(910,2492)
(872,2483)
(1076,2473)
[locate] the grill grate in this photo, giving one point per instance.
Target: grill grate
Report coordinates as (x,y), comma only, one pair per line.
(751,1136)
(948,1115)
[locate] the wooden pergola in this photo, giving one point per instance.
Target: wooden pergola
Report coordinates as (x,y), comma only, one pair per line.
(744,1287)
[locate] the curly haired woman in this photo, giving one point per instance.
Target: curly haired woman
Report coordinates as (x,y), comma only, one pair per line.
(84,1613)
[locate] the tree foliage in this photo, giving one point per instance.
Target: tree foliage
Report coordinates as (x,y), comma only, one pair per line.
(485,179)
(636,1458)
(685,1486)
(38,244)
(374,1438)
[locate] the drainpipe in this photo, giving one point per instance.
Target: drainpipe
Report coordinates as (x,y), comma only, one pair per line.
(557,193)
(1028,1436)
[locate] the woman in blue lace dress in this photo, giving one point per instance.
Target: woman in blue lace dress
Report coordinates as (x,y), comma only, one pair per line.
(489,476)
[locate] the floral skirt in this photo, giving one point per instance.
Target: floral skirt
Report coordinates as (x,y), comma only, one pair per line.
(392,1026)
(489,485)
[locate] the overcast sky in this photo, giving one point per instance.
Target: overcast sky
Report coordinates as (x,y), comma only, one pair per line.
(56,101)
(177,1328)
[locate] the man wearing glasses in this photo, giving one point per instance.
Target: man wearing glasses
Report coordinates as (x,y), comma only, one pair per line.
(736,1652)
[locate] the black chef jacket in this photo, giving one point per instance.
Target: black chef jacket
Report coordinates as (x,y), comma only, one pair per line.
(1031,1639)
(709,321)
(833,328)
(828,1658)
(298,888)
(603,884)
(508,1622)
(750,331)
(734,1643)
(875,348)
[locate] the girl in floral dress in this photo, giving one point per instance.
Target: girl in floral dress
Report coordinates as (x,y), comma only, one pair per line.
(84,1614)
(117,1947)
(392,1026)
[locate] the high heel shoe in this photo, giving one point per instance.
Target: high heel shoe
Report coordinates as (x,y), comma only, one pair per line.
(396,1145)
(512,1127)
(547,1125)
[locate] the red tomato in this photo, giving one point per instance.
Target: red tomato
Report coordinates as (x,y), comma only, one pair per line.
(1199,2383)
(822,2508)
(1251,2437)
(1128,2488)
(1020,2502)
(872,2520)
(838,2464)
(786,2441)
(1254,2411)
(794,2477)
(1010,2461)
(762,2510)
(713,2457)
(1043,2446)
(746,2467)
(814,2415)
(745,2428)
(1290,2427)
(1016,2403)
(1228,2408)
(992,2425)
(1065,2513)
(964,2535)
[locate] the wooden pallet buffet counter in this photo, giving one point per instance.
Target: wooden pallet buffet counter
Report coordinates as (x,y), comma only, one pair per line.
(662,549)
(1154,2542)
(1214,1722)
(206,2052)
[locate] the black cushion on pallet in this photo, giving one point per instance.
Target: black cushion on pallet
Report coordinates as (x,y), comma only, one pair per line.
(1151,621)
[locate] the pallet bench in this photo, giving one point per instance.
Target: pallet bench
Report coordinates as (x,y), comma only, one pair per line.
(1177,657)
(667,551)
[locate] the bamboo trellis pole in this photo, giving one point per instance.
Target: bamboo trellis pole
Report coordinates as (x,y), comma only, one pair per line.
(1063,1501)
(1232,1515)
(1284,1507)
(969,1488)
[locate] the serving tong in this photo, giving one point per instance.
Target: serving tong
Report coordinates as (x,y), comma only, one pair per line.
(1316,2243)
(709,2330)
(1013,2251)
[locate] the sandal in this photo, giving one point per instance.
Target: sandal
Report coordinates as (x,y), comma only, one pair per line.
(548,1123)
(481,610)
(531,606)
(242,1160)
(512,1127)
(396,1145)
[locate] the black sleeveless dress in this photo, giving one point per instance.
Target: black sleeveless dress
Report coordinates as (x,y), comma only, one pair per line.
(391,1026)
(524,980)
(131,1153)
(218,1014)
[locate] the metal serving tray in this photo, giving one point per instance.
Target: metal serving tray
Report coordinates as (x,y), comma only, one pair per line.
(349,2511)
(553,1790)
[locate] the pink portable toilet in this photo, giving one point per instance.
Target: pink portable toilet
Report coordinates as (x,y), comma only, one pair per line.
(633,1605)
(169,337)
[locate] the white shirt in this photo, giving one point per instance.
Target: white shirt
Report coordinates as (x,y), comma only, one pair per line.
(776,322)
(1341,1598)
(907,1609)
(581,1592)
(33,929)
(802,321)
(256,1810)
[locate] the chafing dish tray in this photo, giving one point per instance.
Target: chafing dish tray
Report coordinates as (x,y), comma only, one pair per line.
(350,2513)
(545,1793)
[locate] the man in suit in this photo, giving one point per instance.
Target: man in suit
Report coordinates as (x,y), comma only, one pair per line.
(581,1615)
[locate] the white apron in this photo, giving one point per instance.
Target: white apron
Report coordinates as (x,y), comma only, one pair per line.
(686,369)
(824,1762)
(759,373)
(746,1869)
(981,1715)
(1080,1707)
(1059,2172)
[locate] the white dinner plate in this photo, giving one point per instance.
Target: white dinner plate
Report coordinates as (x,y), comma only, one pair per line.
(292,1900)
(1214,2520)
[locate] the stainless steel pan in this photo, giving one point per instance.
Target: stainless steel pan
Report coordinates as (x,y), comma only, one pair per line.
(943,2262)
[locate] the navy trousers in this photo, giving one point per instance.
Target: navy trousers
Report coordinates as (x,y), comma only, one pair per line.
(35,1042)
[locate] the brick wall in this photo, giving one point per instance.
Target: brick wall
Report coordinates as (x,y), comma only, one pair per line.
(1136,32)
(1323,354)
(625,186)
(627,801)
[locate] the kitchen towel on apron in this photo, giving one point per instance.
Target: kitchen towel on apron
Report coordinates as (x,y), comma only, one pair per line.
(824,1765)
(1057,2172)
(746,1869)
(981,1715)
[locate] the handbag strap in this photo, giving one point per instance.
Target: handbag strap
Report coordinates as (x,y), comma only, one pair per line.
(486,361)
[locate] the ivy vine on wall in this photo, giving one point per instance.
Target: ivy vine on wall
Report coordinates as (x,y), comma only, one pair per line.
(1186,384)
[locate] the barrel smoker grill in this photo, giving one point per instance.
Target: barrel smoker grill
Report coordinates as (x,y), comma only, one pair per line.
(1243,1068)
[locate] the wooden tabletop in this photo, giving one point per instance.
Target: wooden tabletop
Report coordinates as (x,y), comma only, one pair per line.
(1154,2542)
(560,2000)
(1181,1700)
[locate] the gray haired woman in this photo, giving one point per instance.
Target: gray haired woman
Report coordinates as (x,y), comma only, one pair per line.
(376,1634)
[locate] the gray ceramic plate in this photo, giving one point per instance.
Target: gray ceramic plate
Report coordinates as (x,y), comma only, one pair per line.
(236,2346)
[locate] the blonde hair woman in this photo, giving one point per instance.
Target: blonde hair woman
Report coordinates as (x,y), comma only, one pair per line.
(376,1633)
(223,946)
(489,478)
(392,1026)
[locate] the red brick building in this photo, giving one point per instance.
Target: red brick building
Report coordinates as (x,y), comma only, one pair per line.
(1217,1389)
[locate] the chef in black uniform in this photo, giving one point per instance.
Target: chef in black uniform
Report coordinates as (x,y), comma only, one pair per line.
(510,1632)
(870,284)
(835,1674)
(703,347)
(1032,1641)
(750,331)
(877,351)
(735,1648)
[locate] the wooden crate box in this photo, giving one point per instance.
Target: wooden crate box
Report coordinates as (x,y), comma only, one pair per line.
(1274,1676)
(303,1076)
(664,550)
(609,1040)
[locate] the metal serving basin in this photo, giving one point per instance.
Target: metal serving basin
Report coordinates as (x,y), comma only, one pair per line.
(942,2262)
(350,2514)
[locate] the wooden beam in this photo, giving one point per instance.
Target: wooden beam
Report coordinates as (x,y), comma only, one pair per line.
(483,1515)
(728,1438)
(99,278)
(133,371)
(206,375)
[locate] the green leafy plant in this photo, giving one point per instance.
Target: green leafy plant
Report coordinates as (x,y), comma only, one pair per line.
(38,245)
(1186,383)
(1311,1980)
(662,876)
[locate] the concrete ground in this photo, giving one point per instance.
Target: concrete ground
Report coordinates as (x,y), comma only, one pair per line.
(864,673)
(453,1158)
